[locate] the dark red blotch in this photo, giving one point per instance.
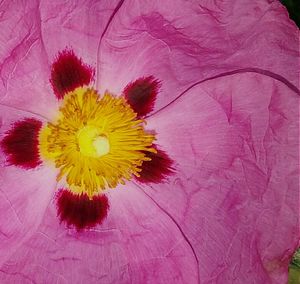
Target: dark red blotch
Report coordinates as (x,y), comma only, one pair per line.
(69,72)
(156,170)
(79,211)
(141,94)
(20,143)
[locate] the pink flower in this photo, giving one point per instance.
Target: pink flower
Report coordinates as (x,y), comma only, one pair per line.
(217,202)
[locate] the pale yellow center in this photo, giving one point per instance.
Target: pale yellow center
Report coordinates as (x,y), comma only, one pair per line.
(92,143)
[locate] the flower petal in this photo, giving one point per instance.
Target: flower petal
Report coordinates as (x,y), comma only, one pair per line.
(34,33)
(24,195)
(137,243)
(245,175)
(20,143)
(79,26)
(141,94)
(24,63)
(79,211)
(69,72)
(157,169)
(235,147)
(149,38)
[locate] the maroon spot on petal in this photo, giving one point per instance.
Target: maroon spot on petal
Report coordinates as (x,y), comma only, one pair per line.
(141,94)
(156,170)
(79,211)
(69,72)
(20,143)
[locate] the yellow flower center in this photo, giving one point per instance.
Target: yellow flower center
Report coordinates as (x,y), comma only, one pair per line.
(95,142)
(92,143)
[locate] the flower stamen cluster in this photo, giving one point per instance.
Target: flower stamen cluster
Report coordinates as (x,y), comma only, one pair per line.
(96,142)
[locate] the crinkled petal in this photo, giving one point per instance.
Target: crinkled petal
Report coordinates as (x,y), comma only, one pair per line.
(236,190)
(24,195)
(157,169)
(141,94)
(24,65)
(229,215)
(69,72)
(137,243)
(182,42)
(20,143)
(33,35)
(234,203)
(80,211)
(77,25)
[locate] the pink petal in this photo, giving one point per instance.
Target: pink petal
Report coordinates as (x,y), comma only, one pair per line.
(141,94)
(33,35)
(157,169)
(79,26)
(137,243)
(24,195)
(244,174)
(80,211)
(182,42)
(69,72)
(236,187)
(20,143)
(24,63)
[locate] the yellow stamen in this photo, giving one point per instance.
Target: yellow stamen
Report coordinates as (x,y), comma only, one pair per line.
(95,142)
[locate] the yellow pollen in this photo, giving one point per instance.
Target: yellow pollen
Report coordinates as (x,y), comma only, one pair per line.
(95,142)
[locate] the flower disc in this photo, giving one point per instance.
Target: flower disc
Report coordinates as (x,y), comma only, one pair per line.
(96,142)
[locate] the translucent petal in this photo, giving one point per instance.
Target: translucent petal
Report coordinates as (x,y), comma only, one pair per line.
(182,42)
(24,195)
(235,193)
(137,243)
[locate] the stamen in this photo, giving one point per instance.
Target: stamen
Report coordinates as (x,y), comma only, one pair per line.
(96,142)
(157,168)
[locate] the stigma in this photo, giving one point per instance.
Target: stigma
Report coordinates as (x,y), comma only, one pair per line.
(96,142)
(92,143)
